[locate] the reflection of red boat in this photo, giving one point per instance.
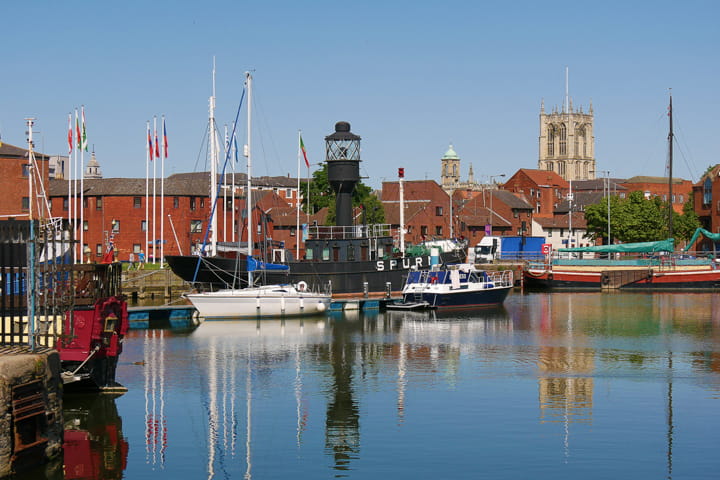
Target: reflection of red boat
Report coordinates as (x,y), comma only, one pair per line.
(94,446)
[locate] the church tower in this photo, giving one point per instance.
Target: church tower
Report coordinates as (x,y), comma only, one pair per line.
(93,168)
(567,142)
(450,170)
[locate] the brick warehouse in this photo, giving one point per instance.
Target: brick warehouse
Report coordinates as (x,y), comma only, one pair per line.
(14,179)
(115,212)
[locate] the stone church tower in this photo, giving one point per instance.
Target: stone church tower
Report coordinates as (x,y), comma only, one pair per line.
(93,168)
(450,170)
(567,143)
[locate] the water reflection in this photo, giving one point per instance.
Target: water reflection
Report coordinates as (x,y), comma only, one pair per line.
(325,372)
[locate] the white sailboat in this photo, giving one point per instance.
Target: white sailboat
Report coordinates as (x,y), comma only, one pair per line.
(258,301)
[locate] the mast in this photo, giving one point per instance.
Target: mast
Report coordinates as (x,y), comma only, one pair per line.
(248,196)
(670,168)
(213,168)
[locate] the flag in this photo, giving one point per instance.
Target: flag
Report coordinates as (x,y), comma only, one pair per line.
(78,141)
(302,148)
(69,133)
(84,134)
(157,146)
(150,145)
(235,147)
(165,142)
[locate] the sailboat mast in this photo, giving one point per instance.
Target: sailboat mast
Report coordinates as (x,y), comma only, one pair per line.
(248,196)
(213,168)
(670,173)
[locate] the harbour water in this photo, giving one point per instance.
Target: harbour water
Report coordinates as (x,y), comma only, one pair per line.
(562,385)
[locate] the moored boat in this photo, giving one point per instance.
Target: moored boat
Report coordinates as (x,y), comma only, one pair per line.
(457,286)
(642,266)
(262,301)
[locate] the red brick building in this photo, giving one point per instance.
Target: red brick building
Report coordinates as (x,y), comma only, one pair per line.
(706,200)
(14,173)
(427,209)
(544,190)
(115,211)
(658,187)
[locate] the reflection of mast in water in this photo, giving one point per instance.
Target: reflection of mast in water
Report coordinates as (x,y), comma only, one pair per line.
(155,422)
(401,382)
(301,413)
(248,422)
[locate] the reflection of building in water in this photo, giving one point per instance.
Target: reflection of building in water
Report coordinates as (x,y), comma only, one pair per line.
(156,436)
(94,446)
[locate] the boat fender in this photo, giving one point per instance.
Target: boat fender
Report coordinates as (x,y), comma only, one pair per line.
(302,286)
(605,279)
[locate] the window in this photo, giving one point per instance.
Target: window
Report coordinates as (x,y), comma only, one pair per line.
(202,202)
(326,253)
(516,214)
(292,231)
(136,248)
(351,253)
(195,226)
(707,193)
(25,204)
(192,203)
(98,203)
(86,226)
(65,204)
(25,170)
(438,230)
(551,144)
(439,211)
(549,232)
(85,202)
(176,202)
(137,202)
(563,141)
(308,254)
(143,226)
(115,226)
(423,230)
(288,193)
(98,250)
(682,199)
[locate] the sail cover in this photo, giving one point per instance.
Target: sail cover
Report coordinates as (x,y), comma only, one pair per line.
(715,237)
(641,247)
(254,265)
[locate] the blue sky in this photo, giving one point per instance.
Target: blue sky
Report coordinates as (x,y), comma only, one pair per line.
(410,76)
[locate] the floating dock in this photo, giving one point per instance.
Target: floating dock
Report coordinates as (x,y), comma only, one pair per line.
(178,317)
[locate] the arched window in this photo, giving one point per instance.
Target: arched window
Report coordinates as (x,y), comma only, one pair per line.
(551,141)
(563,139)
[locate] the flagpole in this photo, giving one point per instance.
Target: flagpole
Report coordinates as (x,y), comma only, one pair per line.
(154,200)
(68,170)
(162,194)
(82,188)
(78,249)
(148,147)
(232,193)
(297,201)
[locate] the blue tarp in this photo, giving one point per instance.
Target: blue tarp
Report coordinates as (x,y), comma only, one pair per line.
(254,265)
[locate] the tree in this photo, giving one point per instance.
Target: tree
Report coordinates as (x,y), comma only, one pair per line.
(322,195)
(639,219)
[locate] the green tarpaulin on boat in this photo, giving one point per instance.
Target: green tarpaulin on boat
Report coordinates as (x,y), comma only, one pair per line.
(639,247)
(715,237)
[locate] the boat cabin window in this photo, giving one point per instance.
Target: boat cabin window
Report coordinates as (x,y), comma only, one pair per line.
(326,253)
(351,253)
(308,254)
(336,254)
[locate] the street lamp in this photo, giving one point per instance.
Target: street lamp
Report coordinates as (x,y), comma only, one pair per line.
(606,185)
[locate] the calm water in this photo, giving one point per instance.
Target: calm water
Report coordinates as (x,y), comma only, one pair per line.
(550,386)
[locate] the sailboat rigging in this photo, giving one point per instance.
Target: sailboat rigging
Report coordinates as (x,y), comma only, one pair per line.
(257,301)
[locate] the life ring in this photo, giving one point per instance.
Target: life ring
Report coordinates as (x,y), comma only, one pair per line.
(302,286)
